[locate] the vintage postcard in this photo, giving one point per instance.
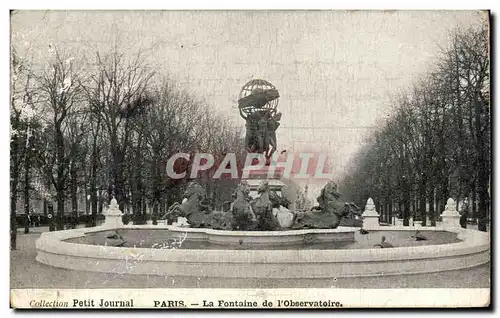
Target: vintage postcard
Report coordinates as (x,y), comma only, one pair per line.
(250,159)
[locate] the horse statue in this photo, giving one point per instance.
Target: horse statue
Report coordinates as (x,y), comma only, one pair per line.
(194,207)
(262,207)
(352,215)
(327,215)
(243,216)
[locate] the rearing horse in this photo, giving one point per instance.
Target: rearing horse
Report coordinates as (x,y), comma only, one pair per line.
(243,216)
(262,208)
(192,208)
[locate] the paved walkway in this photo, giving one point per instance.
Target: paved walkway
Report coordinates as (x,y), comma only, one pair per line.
(26,272)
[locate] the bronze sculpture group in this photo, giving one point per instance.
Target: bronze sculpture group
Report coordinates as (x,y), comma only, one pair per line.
(261,129)
(258,106)
(248,214)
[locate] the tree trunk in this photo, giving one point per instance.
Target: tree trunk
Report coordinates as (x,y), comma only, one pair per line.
(45,207)
(137,187)
(60,180)
(144,212)
(155,213)
(93,206)
(444,196)
(422,203)
(437,206)
(87,202)
(27,171)
(117,172)
(483,201)
(390,212)
(93,188)
(60,210)
(13,203)
(101,205)
(50,212)
(482,150)
(74,197)
(162,206)
(379,208)
(473,201)
(15,164)
(413,208)
(432,212)
(406,208)
(386,212)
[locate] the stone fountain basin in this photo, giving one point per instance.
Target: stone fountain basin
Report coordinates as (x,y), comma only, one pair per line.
(54,250)
(263,238)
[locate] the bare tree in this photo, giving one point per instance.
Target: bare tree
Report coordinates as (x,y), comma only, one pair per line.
(22,116)
(61,87)
(437,144)
(115,95)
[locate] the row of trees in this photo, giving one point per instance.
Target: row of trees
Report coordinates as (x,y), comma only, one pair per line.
(102,130)
(437,144)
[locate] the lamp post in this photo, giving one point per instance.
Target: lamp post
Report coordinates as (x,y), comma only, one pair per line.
(50,216)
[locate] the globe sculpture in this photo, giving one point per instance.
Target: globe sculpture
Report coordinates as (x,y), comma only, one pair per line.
(257,104)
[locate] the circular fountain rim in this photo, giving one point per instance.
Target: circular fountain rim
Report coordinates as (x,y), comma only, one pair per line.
(340,229)
(473,250)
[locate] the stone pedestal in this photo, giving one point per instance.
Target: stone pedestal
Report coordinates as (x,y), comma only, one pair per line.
(450,216)
(284,216)
(417,224)
(113,215)
(254,180)
(370,216)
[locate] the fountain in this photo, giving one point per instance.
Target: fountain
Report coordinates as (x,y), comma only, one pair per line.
(257,238)
(250,254)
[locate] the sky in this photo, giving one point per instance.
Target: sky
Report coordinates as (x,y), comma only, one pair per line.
(336,71)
